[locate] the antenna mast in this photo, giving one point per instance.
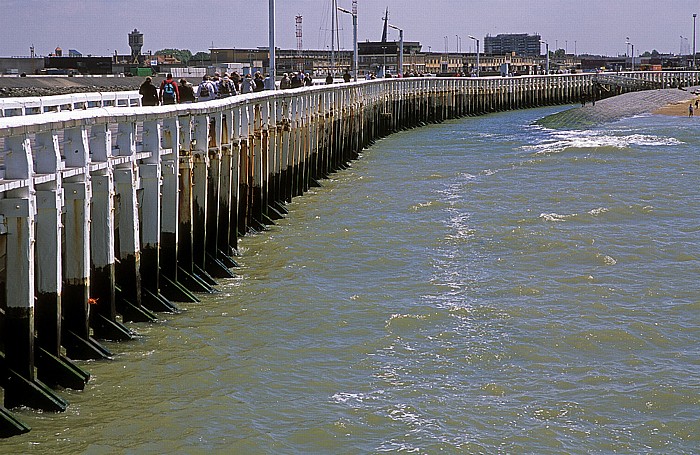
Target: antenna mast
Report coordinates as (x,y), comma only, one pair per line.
(334,18)
(300,42)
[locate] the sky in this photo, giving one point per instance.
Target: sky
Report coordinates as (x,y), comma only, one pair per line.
(99,27)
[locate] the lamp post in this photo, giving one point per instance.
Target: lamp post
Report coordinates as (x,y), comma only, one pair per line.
(384,66)
(694,16)
(477,54)
(630,44)
(546,47)
(400,48)
(271,13)
(354,40)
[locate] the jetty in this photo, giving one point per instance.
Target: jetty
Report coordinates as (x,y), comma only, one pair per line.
(112,212)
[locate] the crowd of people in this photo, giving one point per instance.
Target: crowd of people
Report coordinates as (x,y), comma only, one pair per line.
(217,86)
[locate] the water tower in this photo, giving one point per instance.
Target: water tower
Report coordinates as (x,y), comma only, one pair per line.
(135,43)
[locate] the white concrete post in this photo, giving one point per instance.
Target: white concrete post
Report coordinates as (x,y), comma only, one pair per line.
(49,228)
(19,210)
(102,257)
(150,173)
(170,210)
(200,159)
(77,228)
(127,181)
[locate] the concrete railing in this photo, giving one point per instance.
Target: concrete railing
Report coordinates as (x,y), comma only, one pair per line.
(122,210)
(11,107)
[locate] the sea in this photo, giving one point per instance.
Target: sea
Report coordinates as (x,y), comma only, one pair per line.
(482,286)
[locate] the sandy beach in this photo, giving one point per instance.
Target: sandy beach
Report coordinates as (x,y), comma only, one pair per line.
(679,108)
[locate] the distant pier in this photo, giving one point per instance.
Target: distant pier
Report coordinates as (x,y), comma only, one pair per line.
(111,213)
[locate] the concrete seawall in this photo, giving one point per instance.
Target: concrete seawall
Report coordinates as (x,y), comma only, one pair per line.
(63,85)
(111,214)
(618,107)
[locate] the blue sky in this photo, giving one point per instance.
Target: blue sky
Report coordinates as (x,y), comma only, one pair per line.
(100,27)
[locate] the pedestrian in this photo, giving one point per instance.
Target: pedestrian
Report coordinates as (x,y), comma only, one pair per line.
(690,110)
(696,103)
(295,81)
(236,79)
(346,76)
(169,93)
(186,92)
(226,87)
(269,82)
(259,83)
(149,93)
(285,83)
(247,84)
(308,82)
(206,90)
(329,79)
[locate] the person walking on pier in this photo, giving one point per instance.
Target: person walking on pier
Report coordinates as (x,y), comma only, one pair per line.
(285,82)
(206,90)
(236,79)
(296,81)
(169,93)
(186,92)
(329,79)
(269,82)
(258,82)
(247,84)
(226,87)
(346,76)
(690,110)
(149,93)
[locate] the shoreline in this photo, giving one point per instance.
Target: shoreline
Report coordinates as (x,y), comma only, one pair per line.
(678,108)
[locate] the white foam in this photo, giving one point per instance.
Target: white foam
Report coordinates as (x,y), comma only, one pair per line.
(555,217)
(559,141)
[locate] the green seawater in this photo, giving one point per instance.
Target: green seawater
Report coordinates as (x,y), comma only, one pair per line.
(484,285)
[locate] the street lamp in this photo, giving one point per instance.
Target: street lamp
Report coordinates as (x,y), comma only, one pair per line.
(384,67)
(271,12)
(477,54)
(401,48)
(630,44)
(354,39)
(546,46)
(694,16)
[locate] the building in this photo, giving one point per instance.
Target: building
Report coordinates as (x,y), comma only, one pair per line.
(373,56)
(21,65)
(78,65)
(520,43)
(315,62)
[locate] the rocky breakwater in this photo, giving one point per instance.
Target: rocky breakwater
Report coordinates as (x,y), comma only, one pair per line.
(11,87)
(618,107)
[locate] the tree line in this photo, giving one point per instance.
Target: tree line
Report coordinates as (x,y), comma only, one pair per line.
(184,55)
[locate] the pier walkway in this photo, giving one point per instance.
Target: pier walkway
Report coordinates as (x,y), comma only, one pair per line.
(110,213)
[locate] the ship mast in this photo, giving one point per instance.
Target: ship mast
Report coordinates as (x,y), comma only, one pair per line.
(334,32)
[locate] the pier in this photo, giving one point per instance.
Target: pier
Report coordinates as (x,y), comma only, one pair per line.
(111,212)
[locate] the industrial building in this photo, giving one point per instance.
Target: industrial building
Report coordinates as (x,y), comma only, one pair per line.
(521,43)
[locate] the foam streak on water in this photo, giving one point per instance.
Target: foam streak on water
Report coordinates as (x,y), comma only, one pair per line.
(480,286)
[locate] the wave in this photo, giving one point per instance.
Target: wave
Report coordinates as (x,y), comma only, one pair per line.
(560,141)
